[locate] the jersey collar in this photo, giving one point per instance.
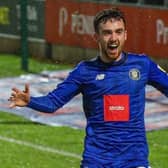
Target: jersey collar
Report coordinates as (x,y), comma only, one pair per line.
(116,63)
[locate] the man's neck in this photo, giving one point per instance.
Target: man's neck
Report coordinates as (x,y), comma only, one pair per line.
(108,60)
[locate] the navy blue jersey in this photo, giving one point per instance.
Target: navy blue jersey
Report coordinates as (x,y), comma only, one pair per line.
(113,101)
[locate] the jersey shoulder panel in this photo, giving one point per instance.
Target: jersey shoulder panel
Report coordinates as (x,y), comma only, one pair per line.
(139,59)
(138,56)
(81,71)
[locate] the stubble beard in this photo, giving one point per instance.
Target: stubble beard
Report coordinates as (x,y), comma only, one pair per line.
(110,57)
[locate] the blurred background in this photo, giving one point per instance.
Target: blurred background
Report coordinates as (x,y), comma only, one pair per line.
(61,30)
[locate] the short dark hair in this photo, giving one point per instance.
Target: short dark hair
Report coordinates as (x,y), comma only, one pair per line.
(107,14)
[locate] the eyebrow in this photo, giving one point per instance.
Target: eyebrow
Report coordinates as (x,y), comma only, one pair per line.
(119,29)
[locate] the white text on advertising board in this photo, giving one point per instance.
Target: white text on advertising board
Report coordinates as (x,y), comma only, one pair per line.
(80,23)
(162,32)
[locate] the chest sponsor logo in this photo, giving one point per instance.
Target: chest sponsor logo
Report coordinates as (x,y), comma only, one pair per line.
(116,108)
(134,74)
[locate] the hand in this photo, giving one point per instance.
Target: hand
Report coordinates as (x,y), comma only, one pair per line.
(19,98)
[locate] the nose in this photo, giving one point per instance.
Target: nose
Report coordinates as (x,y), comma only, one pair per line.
(113,36)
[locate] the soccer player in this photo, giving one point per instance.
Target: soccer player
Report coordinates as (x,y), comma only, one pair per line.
(113,90)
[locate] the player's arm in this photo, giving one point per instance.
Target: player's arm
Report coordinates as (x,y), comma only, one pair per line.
(158,78)
(54,99)
(48,103)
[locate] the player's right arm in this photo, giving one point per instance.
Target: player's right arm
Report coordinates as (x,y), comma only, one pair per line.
(55,99)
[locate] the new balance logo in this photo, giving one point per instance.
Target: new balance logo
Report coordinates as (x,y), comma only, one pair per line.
(100,76)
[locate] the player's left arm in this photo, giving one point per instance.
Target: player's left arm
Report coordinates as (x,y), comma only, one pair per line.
(158,77)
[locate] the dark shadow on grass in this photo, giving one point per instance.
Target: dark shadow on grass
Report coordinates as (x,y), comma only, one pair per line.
(156,101)
(19,123)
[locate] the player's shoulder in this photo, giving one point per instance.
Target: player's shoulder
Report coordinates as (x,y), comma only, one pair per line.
(141,58)
(137,55)
(83,66)
(87,63)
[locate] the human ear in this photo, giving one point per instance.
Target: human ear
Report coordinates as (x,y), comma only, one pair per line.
(125,35)
(96,37)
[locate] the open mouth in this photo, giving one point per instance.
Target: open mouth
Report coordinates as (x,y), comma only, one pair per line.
(113,46)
